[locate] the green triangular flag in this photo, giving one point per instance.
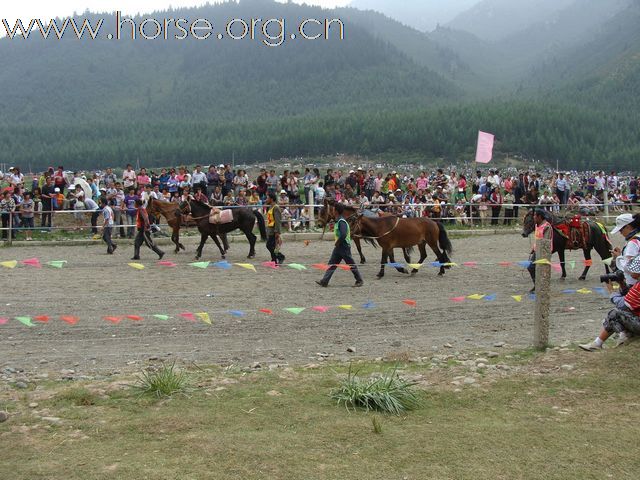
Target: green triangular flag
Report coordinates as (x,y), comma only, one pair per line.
(295,310)
(26,321)
(161,317)
(572,264)
(57,263)
(297,266)
(200,264)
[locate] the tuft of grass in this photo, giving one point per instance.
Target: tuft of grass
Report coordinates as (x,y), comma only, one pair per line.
(80,397)
(164,382)
(388,393)
(377,424)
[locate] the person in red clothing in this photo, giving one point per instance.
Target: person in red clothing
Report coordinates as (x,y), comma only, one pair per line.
(625,318)
(144,232)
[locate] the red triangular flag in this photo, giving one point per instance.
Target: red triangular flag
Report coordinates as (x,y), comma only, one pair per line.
(505,264)
(458,299)
(189,316)
(165,263)
(470,264)
(273,265)
(135,318)
(267,311)
(42,318)
(321,266)
(344,267)
(70,319)
(114,320)
(411,303)
(34,262)
(321,309)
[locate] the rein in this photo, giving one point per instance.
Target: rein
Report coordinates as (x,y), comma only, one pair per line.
(379,236)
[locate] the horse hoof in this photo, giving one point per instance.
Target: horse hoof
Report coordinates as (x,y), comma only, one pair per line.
(582,278)
(413,273)
(251,256)
(441,274)
(379,277)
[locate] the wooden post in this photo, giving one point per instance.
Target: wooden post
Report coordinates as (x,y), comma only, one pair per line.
(543,297)
(312,215)
(10,237)
(606,205)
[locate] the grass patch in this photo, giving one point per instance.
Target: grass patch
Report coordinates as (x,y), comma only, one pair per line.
(80,397)
(164,382)
(387,393)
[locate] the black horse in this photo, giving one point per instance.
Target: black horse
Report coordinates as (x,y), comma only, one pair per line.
(243,219)
(598,240)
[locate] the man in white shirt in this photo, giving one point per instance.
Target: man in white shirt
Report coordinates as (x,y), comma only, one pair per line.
(199,178)
(107,226)
(128,177)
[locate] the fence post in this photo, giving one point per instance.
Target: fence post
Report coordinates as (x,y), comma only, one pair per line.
(606,205)
(543,297)
(10,238)
(312,214)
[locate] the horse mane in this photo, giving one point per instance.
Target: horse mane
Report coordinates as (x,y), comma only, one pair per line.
(201,204)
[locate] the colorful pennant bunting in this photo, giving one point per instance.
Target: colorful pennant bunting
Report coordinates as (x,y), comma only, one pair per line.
(237,313)
(57,263)
(267,311)
(517,298)
(202,265)
(70,319)
(295,310)
(42,318)
(470,264)
(9,264)
(415,266)
(476,296)
(165,263)
(321,309)
(345,307)
(204,317)
(368,305)
(411,303)
(33,262)
(3,320)
(542,261)
(137,266)
(247,266)
(272,265)
(321,266)
(458,299)
(25,321)
(162,317)
(114,320)
(135,318)
(223,265)
(297,266)
(188,315)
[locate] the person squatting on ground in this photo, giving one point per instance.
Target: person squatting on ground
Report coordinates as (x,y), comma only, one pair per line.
(274,229)
(625,318)
(107,226)
(341,250)
(543,230)
(144,233)
(629,227)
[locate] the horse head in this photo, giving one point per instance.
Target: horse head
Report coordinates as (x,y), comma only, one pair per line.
(326,213)
(529,224)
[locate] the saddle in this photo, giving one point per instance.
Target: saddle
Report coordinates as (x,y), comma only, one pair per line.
(220,217)
(576,231)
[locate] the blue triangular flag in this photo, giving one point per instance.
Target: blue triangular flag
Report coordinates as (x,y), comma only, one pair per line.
(490,298)
(237,313)
(395,265)
(568,291)
(525,263)
(532,296)
(436,264)
(369,305)
(223,264)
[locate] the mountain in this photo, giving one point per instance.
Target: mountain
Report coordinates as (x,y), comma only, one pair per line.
(71,81)
(493,20)
(423,15)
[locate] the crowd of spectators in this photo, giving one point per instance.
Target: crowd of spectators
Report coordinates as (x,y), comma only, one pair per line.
(466,197)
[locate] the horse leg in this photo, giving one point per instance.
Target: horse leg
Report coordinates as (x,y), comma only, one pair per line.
(175,238)
(392,257)
(587,257)
(252,243)
(214,237)
(203,240)
(405,254)
(383,261)
(359,248)
(423,256)
(225,242)
(441,256)
(562,264)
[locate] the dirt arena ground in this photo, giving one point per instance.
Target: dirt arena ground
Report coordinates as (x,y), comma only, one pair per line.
(93,285)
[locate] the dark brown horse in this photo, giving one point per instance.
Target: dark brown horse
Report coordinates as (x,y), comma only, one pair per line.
(243,219)
(393,232)
(171,212)
(598,240)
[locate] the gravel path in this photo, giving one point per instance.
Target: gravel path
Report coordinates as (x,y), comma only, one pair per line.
(93,285)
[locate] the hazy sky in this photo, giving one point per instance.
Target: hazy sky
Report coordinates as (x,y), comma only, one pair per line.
(45,9)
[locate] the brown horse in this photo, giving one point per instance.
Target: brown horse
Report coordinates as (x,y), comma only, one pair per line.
(175,217)
(394,232)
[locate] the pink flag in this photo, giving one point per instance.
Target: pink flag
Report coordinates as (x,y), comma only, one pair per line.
(484,152)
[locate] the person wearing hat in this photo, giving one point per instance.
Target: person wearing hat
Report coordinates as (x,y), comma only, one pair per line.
(543,230)
(628,226)
(274,228)
(625,318)
(144,232)
(341,250)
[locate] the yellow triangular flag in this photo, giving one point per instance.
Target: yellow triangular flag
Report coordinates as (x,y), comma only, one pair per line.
(345,307)
(204,317)
(137,266)
(450,264)
(248,266)
(517,298)
(476,296)
(9,264)
(584,291)
(542,261)
(415,266)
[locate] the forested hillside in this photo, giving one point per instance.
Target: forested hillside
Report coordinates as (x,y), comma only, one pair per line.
(385,89)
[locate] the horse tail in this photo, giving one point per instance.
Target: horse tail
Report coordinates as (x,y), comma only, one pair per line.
(443,240)
(261,225)
(371,242)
